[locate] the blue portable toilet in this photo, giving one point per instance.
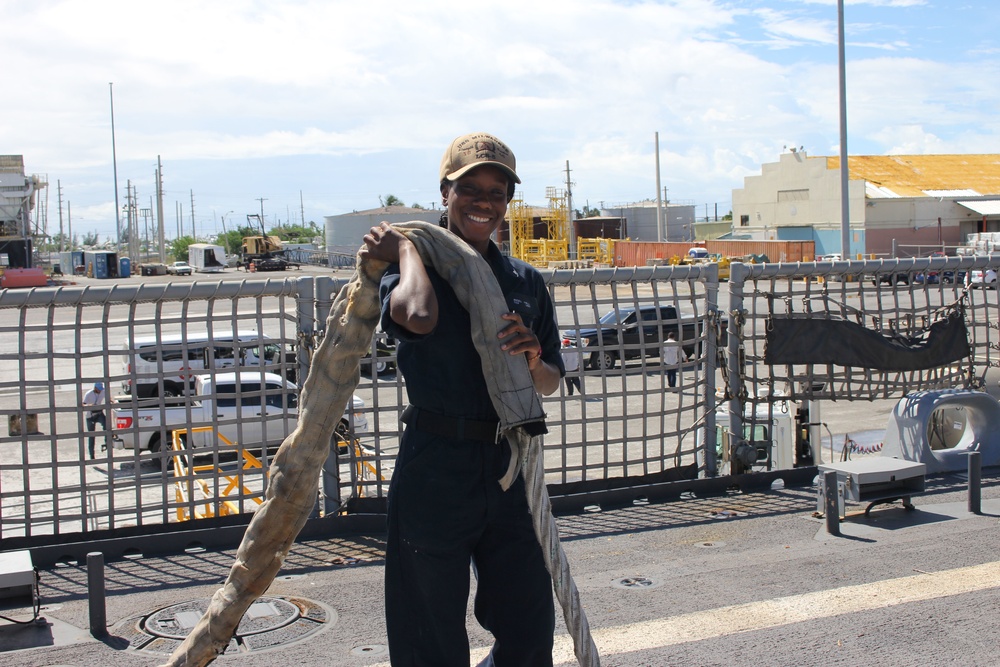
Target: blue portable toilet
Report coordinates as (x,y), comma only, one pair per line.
(124,267)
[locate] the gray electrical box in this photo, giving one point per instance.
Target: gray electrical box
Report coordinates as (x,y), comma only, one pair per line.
(871,480)
(17,575)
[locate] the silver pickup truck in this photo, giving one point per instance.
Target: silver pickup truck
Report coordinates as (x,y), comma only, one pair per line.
(248,408)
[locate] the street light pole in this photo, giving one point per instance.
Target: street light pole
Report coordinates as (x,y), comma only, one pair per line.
(845,199)
(224,221)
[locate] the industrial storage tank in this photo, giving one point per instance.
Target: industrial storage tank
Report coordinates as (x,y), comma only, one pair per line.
(344,233)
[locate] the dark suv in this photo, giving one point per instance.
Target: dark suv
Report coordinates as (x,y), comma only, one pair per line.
(631,333)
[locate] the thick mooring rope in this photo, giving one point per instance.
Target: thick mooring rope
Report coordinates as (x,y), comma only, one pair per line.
(333,376)
(555,558)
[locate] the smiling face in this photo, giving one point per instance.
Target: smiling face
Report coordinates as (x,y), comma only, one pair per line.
(476,204)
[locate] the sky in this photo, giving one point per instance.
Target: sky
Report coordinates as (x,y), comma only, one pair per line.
(304,109)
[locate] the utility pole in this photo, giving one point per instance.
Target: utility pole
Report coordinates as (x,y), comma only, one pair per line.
(659,202)
(152,216)
(69,221)
(114,163)
(162,239)
(262,200)
(128,216)
(62,239)
(146,214)
(569,205)
(194,234)
(302,208)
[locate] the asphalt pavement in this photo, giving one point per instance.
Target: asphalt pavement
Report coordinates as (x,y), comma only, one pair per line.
(738,579)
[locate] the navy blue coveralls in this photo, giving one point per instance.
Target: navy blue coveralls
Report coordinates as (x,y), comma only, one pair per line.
(445,504)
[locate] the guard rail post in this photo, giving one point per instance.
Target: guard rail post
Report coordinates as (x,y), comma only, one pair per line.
(96,594)
(975,482)
(832,512)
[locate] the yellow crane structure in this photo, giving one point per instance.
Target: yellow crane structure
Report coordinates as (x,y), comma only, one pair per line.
(596,251)
(540,252)
(557,219)
(521,224)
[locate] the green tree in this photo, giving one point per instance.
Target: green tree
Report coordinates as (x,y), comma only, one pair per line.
(179,248)
(53,243)
(231,241)
(90,238)
(301,233)
(415,205)
(391,200)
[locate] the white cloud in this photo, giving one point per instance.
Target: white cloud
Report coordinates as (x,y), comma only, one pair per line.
(349,100)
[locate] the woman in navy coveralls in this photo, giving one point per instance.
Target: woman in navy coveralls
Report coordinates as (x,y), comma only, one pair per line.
(446,507)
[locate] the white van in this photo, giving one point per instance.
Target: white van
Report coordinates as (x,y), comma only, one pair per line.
(177,358)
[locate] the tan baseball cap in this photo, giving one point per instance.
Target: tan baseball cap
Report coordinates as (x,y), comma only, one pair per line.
(474,150)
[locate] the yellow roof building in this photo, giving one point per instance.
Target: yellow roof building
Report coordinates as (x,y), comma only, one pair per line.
(898,204)
(924,175)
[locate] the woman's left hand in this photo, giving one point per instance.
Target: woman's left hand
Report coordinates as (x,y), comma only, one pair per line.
(519,339)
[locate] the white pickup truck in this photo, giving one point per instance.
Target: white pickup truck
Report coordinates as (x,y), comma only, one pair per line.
(249,408)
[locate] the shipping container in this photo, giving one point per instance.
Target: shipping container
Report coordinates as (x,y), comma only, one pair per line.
(101,263)
(71,262)
(775,251)
(643,253)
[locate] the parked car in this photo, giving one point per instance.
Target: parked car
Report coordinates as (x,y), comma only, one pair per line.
(833,257)
(180,269)
(934,277)
(249,407)
(631,333)
(174,359)
(985,278)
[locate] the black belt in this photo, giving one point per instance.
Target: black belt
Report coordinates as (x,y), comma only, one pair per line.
(457,428)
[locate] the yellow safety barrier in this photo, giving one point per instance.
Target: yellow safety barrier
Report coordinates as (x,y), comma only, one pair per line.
(362,467)
(187,480)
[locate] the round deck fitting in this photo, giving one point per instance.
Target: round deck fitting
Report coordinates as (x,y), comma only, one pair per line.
(270,622)
(636,582)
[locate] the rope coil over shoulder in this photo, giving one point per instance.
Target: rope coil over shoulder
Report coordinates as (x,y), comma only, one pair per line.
(333,376)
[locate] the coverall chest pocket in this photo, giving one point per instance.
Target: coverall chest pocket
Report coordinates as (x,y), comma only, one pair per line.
(525,306)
